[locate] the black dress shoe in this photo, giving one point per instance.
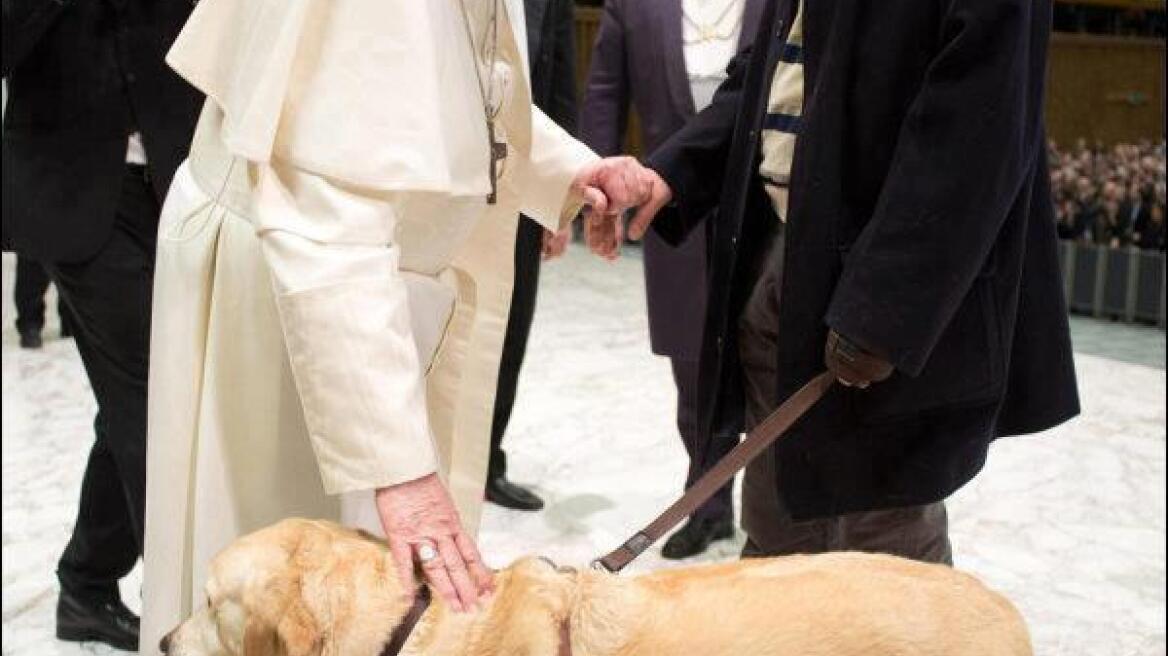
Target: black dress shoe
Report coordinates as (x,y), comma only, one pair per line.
(697,534)
(503,492)
(30,339)
(107,620)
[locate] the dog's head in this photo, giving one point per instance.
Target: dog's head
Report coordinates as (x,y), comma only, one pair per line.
(298,588)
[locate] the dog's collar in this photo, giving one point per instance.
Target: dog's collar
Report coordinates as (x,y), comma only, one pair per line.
(397,640)
(401,634)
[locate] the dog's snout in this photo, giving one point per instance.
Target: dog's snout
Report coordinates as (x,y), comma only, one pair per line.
(164,644)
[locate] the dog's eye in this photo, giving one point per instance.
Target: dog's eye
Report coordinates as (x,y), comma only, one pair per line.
(208,603)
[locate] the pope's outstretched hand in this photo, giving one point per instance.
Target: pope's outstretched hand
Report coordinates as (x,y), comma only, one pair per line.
(422,525)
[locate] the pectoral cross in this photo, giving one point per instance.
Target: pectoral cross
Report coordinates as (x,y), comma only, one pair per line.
(498,154)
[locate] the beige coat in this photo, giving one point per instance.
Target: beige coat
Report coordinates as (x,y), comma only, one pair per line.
(331,289)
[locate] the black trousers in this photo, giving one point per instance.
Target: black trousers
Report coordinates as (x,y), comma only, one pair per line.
(109,296)
(721,505)
(528,249)
(32,281)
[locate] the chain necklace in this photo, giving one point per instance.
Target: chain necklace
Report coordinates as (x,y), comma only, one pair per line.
(496,149)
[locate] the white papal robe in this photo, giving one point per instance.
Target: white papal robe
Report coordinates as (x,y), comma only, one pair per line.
(332,289)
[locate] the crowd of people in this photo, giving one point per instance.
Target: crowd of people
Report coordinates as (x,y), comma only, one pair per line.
(1109,196)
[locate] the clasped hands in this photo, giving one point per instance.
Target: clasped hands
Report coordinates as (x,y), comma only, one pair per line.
(610,187)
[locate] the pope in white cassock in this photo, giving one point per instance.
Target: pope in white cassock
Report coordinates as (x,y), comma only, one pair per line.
(333,277)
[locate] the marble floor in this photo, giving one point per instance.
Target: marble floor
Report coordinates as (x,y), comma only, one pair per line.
(1069,524)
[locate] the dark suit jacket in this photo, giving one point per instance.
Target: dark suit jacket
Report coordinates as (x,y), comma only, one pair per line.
(638,61)
(82,75)
(920,226)
(551,45)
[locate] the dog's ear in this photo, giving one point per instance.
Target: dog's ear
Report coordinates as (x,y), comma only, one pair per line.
(259,638)
(292,632)
(298,632)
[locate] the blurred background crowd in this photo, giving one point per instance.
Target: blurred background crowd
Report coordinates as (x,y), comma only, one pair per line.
(1110,196)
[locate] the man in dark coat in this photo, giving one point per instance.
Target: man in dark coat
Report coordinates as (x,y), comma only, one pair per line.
(639,61)
(551,47)
(917,258)
(95,127)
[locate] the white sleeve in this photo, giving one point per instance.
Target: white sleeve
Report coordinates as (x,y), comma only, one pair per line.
(546,177)
(345,313)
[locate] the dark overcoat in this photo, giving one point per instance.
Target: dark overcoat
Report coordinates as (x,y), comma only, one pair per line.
(638,61)
(82,75)
(921,227)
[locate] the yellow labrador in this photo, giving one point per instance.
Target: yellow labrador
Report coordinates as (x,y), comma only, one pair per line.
(308,588)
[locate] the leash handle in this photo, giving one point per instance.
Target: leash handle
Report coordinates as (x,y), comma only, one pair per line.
(757,440)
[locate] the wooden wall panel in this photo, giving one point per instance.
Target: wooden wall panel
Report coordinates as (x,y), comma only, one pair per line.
(1105,88)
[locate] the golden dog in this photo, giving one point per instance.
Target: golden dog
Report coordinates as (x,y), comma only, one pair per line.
(309,588)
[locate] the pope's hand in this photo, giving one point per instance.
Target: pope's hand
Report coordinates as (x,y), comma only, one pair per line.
(422,525)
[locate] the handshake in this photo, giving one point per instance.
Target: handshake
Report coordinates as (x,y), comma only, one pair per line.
(609,188)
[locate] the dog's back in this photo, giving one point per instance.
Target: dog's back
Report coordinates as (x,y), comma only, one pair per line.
(839,604)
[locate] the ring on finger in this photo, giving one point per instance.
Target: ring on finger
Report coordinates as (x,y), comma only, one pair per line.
(426,552)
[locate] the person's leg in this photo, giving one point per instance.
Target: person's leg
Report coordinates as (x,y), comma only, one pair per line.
(685,377)
(29,295)
(714,520)
(916,532)
(919,533)
(769,526)
(528,244)
(64,316)
(103,547)
(109,297)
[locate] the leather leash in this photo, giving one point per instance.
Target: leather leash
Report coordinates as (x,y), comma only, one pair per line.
(757,440)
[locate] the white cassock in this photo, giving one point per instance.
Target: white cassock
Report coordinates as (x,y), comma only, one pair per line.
(332,289)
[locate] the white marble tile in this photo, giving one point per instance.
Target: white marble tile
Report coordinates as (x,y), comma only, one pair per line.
(1070,524)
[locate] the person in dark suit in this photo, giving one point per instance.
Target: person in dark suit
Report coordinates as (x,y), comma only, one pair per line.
(95,127)
(552,56)
(1134,210)
(665,58)
(28,294)
(908,246)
